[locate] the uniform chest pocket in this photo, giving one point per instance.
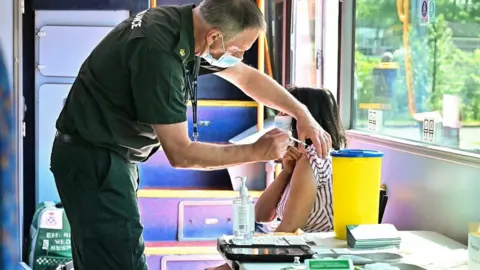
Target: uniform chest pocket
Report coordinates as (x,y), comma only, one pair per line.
(178,87)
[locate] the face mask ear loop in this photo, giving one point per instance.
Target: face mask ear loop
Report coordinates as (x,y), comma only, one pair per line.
(223,45)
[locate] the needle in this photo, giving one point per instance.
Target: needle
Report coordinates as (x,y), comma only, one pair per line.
(298,141)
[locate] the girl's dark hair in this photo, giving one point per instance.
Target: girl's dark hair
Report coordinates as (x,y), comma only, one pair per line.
(323,107)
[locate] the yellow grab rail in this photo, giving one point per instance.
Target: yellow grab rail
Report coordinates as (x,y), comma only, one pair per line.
(402,12)
(261,65)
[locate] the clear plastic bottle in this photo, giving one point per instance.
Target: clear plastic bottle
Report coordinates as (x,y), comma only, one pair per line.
(243,214)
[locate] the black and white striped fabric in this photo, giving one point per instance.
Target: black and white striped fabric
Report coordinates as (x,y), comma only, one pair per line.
(321,216)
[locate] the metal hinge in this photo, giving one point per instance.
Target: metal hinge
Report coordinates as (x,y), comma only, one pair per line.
(41,34)
(40,67)
(319,59)
(22,6)
(24,125)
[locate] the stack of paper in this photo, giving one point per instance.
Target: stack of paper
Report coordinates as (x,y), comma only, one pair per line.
(372,236)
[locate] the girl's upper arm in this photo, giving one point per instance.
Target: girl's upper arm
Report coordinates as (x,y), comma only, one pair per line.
(321,167)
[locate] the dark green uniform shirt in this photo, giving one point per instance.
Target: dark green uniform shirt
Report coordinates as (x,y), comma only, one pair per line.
(134,78)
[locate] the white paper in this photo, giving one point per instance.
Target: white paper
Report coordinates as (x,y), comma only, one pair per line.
(451,111)
(429,130)
(283,122)
(474,251)
(375,120)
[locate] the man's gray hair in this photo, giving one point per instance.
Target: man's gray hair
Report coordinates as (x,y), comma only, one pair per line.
(232,16)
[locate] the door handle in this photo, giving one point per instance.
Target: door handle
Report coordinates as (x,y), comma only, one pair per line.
(204,123)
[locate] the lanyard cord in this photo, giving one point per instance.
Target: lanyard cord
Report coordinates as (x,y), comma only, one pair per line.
(194,97)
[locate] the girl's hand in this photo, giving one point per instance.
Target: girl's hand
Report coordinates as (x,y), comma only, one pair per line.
(290,159)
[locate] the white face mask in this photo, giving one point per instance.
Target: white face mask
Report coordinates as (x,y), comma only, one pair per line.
(225,61)
(283,122)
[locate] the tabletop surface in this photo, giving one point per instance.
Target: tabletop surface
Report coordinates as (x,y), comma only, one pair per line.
(423,248)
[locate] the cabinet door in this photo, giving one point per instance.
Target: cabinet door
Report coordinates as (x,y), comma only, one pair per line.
(204,220)
(63,49)
(190,262)
(218,124)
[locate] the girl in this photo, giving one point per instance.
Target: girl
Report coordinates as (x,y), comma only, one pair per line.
(301,195)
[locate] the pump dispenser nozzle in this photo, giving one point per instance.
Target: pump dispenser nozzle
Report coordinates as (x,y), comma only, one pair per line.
(243,188)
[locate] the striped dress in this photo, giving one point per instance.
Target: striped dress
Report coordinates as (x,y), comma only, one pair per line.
(321,216)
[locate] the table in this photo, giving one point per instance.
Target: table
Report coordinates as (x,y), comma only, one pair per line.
(423,248)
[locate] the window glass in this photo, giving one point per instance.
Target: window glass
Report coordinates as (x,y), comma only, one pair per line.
(304,69)
(417,70)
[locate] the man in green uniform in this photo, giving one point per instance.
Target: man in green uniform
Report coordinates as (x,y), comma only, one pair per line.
(129,98)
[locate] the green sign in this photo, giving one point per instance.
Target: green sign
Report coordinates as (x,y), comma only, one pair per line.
(329,264)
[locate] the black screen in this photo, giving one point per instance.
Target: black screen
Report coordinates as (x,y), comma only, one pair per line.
(269,251)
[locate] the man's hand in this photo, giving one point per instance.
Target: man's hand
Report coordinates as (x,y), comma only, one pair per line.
(307,127)
(272,145)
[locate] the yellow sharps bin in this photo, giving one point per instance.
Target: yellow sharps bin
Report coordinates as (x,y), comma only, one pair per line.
(356,188)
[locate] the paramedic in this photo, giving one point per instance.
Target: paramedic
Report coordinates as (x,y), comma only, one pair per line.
(129,99)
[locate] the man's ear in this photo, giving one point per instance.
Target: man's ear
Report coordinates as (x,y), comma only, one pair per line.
(213,35)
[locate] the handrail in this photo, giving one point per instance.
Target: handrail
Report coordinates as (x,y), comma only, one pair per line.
(277,167)
(403,17)
(261,65)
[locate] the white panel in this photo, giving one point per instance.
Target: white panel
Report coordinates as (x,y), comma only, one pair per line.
(49,104)
(63,49)
(6,34)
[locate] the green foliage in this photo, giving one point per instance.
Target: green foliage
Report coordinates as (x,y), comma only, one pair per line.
(438,66)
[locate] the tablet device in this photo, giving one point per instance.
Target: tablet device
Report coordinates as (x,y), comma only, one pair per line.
(266,253)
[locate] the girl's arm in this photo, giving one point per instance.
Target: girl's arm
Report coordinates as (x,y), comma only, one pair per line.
(265,208)
(301,200)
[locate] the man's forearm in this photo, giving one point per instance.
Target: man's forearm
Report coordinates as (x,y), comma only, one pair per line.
(264,89)
(267,91)
(206,156)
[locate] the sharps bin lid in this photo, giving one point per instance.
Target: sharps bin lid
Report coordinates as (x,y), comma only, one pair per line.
(356,153)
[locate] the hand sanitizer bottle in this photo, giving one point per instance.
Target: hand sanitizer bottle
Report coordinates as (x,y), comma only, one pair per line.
(243,214)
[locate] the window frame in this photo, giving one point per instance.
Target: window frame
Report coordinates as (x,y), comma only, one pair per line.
(347,110)
(320,31)
(320,40)
(331,45)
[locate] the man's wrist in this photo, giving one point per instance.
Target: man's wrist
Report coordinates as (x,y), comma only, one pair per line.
(300,112)
(252,152)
